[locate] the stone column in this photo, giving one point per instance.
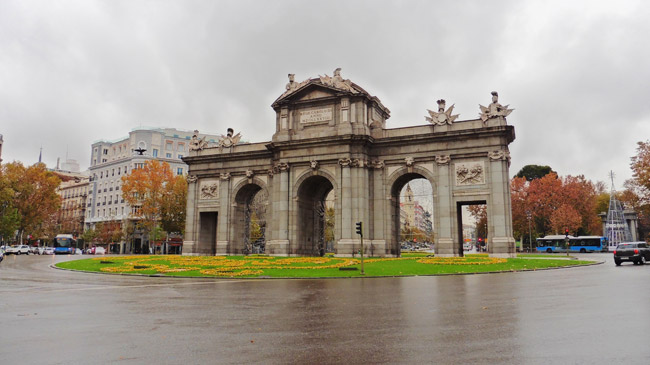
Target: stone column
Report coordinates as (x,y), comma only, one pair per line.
(501,241)
(361,192)
(279,244)
(444,246)
(190,238)
(378,208)
(225,216)
(345,245)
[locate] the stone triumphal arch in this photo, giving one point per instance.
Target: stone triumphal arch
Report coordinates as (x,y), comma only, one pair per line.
(331,140)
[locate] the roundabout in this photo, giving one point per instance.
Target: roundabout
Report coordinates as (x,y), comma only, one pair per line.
(259,266)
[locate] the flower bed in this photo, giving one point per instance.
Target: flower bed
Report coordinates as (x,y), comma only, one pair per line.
(267,266)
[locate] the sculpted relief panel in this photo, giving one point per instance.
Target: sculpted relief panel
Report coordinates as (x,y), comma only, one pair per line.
(470,173)
(209,190)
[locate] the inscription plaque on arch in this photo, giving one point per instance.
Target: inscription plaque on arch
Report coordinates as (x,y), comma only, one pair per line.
(315,115)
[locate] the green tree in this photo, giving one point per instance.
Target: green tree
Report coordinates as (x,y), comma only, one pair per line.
(532,172)
(89,236)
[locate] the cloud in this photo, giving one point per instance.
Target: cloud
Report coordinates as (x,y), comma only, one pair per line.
(75,72)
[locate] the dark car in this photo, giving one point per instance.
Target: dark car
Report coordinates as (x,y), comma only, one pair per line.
(637,252)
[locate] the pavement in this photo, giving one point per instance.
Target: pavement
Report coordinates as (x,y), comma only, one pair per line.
(586,315)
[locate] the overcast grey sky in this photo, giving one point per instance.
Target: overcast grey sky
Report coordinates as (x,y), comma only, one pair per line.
(576,72)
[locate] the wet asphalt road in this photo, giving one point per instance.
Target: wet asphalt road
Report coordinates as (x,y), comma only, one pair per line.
(589,315)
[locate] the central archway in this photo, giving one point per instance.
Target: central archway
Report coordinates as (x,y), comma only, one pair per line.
(311,200)
(406,212)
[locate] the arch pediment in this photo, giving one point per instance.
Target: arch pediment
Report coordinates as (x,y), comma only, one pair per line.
(314,89)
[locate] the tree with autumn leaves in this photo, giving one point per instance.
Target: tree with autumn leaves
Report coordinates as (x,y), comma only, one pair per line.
(158,196)
(554,204)
(28,201)
(637,190)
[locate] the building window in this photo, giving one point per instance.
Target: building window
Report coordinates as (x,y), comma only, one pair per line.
(106,151)
(169,146)
(180,156)
(155,152)
(179,171)
(181,147)
(168,155)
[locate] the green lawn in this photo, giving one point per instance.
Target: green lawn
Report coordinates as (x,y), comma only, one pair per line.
(307,267)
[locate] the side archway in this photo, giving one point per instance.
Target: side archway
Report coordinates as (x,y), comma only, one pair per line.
(248,223)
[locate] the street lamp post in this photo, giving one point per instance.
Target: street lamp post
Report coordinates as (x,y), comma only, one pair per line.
(530,235)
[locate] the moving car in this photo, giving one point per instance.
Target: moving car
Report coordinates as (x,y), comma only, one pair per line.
(48,251)
(637,252)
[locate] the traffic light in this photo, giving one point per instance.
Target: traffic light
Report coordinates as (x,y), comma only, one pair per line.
(566,232)
(360,228)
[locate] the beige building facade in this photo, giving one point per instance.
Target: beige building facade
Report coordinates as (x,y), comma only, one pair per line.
(331,136)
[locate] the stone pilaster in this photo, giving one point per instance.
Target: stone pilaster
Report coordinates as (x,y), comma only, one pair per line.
(279,244)
(191,220)
(380,224)
(224,217)
(501,241)
(445,218)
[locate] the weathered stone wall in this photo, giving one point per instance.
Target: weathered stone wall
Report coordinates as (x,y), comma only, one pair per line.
(329,139)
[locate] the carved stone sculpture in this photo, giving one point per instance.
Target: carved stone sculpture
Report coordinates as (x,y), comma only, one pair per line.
(250,174)
(293,85)
(210,190)
(345,162)
(192,179)
(280,167)
(338,82)
(470,173)
(224,176)
(313,164)
(409,161)
(442,117)
(196,143)
(494,110)
(443,159)
(228,140)
(377,164)
(499,155)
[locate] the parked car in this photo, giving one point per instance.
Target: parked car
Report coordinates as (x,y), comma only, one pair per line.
(48,250)
(2,254)
(18,250)
(35,250)
(96,250)
(637,252)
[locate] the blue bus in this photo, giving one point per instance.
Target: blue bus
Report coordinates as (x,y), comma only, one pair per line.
(64,244)
(582,244)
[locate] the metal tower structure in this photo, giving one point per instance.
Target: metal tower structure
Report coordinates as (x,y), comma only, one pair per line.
(616,229)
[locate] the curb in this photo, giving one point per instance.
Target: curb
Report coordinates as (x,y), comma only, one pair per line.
(593,263)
